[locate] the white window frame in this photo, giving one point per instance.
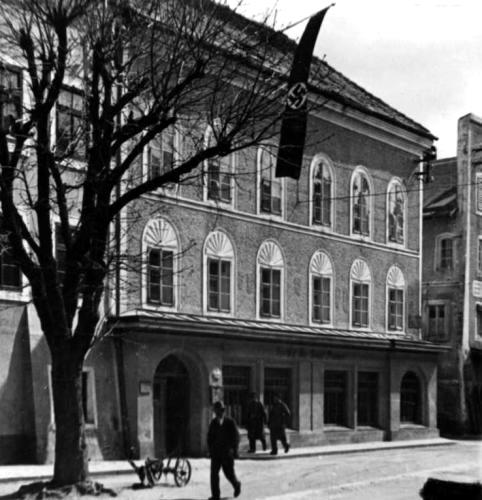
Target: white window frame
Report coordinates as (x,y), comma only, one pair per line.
(159,233)
(271,256)
(360,170)
(218,245)
(321,266)
(326,161)
(170,189)
(396,182)
(231,159)
(268,149)
(438,252)
(395,281)
(360,273)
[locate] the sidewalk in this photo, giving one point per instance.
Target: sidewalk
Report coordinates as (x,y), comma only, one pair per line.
(12,473)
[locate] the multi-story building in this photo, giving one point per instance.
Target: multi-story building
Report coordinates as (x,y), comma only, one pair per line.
(249,282)
(452,274)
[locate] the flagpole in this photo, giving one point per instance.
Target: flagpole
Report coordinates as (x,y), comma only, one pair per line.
(304,19)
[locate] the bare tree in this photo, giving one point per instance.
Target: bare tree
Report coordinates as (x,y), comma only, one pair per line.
(110,77)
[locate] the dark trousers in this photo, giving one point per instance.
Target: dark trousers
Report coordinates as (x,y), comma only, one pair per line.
(227,464)
(277,433)
(252,442)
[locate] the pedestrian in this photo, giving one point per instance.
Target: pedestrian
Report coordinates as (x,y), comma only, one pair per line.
(278,419)
(223,442)
(256,419)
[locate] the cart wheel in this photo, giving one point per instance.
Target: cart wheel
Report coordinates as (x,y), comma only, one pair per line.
(182,472)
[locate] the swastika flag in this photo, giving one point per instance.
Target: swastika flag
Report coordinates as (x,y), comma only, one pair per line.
(293,125)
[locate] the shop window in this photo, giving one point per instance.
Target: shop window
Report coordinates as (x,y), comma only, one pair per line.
(322,193)
(361,201)
(396,213)
(367,410)
(410,399)
(11,102)
(277,381)
(70,124)
(236,387)
(335,397)
(271,187)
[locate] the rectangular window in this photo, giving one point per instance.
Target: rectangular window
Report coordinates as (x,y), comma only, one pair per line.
(88,396)
(219,285)
(321,299)
(236,386)
(11,102)
(479,320)
(160,155)
(479,193)
(360,305)
(446,253)
(60,254)
(361,219)
(10,276)
(70,124)
(271,196)
(219,180)
(335,397)
(322,200)
(160,277)
(367,411)
(437,322)
(395,309)
(270,293)
(277,381)
(479,265)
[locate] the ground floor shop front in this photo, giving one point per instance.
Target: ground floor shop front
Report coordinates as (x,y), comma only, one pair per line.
(340,387)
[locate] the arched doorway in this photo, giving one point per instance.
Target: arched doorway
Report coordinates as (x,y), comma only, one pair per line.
(171,407)
(410,399)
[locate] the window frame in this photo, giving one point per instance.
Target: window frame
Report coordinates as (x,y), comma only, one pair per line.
(478,193)
(394,184)
(218,246)
(72,114)
(244,394)
(440,238)
(360,274)
(158,144)
(363,173)
(321,266)
(436,336)
(226,164)
(16,97)
(479,255)
(6,288)
(478,321)
(160,234)
(269,150)
(161,284)
(270,256)
(395,281)
(326,163)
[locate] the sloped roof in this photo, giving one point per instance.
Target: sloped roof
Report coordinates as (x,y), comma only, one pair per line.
(441,193)
(332,84)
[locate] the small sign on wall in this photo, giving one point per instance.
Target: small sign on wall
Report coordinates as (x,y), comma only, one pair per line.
(477,289)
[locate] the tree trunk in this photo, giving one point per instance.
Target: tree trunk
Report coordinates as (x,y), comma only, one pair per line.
(71,459)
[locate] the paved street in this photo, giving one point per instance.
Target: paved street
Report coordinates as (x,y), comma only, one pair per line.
(374,475)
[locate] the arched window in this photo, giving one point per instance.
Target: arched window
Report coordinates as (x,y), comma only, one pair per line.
(321,282)
(270,186)
(270,277)
(160,247)
(321,192)
(395,299)
(219,174)
(219,272)
(360,203)
(410,399)
(396,203)
(360,278)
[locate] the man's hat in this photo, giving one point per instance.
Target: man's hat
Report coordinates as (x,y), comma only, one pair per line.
(218,405)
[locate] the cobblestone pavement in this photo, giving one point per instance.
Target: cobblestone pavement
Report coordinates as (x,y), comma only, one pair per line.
(373,475)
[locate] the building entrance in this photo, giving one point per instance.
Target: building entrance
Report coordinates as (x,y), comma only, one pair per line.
(171,407)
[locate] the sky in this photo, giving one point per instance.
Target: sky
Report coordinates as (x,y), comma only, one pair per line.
(422,57)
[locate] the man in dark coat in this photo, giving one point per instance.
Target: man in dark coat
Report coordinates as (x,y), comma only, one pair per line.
(223,442)
(278,418)
(256,419)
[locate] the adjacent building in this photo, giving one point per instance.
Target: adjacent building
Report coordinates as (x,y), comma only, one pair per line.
(248,282)
(452,274)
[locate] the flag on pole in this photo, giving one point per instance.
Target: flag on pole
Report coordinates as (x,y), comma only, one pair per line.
(293,125)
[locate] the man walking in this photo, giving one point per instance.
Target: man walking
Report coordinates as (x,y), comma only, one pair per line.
(223,442)
(278,418)
(256,420)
